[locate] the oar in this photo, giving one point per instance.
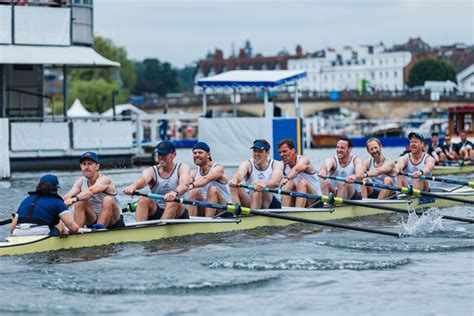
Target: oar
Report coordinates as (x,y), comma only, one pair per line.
(246,211)
(460,163)
(336,200)
(406,190)
(445,180)
(5,221)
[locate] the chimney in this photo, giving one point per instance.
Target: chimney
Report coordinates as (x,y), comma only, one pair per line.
(299,51)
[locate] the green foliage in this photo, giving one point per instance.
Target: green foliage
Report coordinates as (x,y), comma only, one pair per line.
(95,94)
(430,69)
(155,77)
(186,78)
(122,79)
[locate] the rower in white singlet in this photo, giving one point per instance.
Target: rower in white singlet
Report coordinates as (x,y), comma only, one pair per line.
(261,172)
(299,175)
(378,169)
(417,163)
(344,165)
(209,182)
(94,196)
(169,179)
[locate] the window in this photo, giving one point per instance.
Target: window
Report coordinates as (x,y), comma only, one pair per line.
(395,74)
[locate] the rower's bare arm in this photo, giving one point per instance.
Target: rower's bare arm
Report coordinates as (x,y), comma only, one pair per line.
(145,178)
(13,223)
(184,174)
(329,164)
(388,167)
(367,165)
(301,166)
(276,176)
(69,222)
(239,175)
(429,165)
(214,175)
(359,168)
(76,188)
(402,163)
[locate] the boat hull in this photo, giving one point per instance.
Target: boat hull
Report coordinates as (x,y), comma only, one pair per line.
(444,170)
(155,230)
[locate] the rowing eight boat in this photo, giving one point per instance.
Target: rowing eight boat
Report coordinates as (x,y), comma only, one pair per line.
(159,229)
(443,170)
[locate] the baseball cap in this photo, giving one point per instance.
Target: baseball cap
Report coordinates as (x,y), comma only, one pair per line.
(51,179)
(165,148)
(261,144)
(89,155)
(417,135)
(202,146)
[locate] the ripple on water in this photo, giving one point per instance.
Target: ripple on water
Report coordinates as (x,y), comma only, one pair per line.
(310,264)
(414,246)
(169,287)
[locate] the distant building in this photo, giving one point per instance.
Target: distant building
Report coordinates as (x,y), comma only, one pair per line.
(465,79)
(216,63)
(459,55)
(329,70)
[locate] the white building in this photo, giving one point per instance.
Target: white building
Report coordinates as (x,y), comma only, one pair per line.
(465,79)
(329,70)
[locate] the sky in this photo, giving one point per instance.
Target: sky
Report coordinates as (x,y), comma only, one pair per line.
(183,31)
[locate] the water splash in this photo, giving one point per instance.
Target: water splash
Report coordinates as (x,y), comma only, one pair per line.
(426,223)
(310,264)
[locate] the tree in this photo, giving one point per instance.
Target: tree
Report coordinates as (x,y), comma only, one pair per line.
(186,78)
(122,78)
(431,69)
(95,94)
(155,77)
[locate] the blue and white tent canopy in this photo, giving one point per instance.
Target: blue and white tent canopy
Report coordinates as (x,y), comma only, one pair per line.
(252,79)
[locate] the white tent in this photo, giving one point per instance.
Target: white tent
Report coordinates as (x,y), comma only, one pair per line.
(119,108)
(77,110)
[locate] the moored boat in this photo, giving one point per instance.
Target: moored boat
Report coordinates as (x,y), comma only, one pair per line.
(442,170)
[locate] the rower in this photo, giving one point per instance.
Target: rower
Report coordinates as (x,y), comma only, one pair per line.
(261,172)
(209,182)
(378,169)
(344,165)
(167,178)
(465,147)
(299,175)
(95,197)
(448,150)
(417,163)
(434,149)
(40,213)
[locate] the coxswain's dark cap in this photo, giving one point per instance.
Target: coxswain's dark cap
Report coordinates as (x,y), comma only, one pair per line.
(51,179)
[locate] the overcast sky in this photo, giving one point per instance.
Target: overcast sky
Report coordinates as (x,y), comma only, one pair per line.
(183,31)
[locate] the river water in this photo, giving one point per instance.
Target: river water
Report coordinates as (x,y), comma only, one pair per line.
(298,270)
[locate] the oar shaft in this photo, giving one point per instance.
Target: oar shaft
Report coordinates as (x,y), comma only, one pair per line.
(5,221)
(445,180)
(323,223)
